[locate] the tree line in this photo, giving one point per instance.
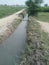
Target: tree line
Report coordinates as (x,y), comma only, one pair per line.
(34,6)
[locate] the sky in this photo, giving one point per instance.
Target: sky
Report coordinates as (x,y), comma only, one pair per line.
(18,2)
(46,2)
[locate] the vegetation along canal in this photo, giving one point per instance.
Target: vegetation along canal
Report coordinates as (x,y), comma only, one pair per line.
(10,49)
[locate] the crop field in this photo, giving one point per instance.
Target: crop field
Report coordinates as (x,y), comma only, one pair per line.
(8,10)
(43,16)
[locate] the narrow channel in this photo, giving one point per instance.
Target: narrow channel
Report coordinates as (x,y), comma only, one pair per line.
(11,48)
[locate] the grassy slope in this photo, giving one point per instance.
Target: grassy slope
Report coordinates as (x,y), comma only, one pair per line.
(37,43)
(43,16)
(8,10)
(45,38)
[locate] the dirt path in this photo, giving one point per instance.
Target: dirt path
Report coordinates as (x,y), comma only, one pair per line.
(5,21)
(44,25)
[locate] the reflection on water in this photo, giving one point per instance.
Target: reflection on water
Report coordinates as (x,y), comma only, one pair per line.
(11,48)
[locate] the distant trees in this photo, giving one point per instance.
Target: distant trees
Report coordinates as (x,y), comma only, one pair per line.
(33,6)
(5,4)
(46,5)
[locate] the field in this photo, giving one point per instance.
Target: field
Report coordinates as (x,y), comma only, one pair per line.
(43,16)
(8,10)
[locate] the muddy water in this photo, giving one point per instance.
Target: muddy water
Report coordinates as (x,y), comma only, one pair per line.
(14,45)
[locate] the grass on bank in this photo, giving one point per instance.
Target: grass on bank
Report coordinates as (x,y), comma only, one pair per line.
(43,16)
(45,38)
(8,10)
(36,40)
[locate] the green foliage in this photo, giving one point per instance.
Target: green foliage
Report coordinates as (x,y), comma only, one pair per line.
(42,16)
(8,10)
(46,5)
(33,6)
(44,9)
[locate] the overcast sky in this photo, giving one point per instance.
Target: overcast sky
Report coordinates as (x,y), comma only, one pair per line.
(20,2)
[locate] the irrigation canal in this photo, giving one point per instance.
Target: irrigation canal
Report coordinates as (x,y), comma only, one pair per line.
(11,48)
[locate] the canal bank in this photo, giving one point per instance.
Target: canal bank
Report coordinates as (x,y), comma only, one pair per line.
(35,52)
(9,24)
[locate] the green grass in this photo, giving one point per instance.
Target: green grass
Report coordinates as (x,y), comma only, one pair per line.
(8,10)
(43,16)
(45,38)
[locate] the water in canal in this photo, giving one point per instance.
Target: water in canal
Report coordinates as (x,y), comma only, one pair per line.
(14,45)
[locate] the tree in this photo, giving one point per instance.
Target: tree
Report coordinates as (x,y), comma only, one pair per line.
(33,6)
(45,5)
(5,4)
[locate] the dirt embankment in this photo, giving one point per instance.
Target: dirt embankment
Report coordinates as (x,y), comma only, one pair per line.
(44,25)
(9,24)
(34,53)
